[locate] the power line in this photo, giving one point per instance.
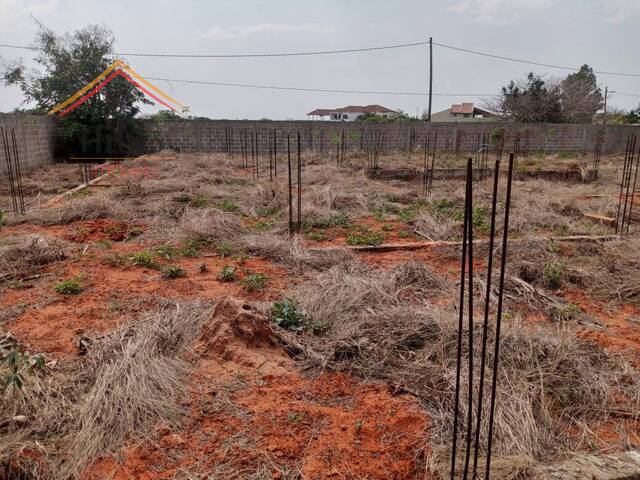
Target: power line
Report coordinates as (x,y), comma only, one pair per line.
(350,50)
(321,90)
(616,92)
(530,62)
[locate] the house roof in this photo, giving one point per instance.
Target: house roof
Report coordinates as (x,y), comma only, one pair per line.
(352,109)
(466,107)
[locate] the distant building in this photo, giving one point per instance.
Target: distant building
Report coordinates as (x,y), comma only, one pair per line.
(349,113)
(463,112)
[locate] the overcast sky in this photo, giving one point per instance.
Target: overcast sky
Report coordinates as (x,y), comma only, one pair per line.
(602,33)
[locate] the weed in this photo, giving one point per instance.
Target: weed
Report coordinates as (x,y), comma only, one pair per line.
(166,251)
(106,244)
(228,206)
(70,286)
(410,212)
(405,234)
(286,314)
(294,417)
(173,271)
(357,425)
(315,235)
(379,215)
(254,282)
(133,232)
(364,236)
(14,365)
(203,268)
(199,201)
(115,260)
(3,220)
(268,211)
(262,225)
(224,250)
(566,313)
(17,285)
(552,274)
(386,227)
(144,259)
(227,274)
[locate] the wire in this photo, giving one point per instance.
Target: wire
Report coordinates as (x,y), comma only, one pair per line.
(323,90)
(250,55)
(530,62)
(615,92)
(350,50)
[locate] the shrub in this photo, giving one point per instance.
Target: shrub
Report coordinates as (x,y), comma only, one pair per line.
(552,274)
(224,250)
(227,274)
(70,286)
(144,259)
(315,235)
(254,282)
(286,314)
(411,211)
(173,271)
(166,251)
(13,366)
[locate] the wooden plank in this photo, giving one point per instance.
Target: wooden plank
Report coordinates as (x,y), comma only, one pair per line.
(600,219)
(80,187)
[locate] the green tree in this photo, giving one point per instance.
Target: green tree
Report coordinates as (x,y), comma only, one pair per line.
(105,123)
(531,100)
(581,97)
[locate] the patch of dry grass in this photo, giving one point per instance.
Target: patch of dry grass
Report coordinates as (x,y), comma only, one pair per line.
(23,255)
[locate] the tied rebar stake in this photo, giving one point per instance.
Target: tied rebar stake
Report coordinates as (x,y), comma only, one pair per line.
(14,173)
(468,468)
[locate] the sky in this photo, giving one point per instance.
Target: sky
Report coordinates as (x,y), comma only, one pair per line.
(601,33)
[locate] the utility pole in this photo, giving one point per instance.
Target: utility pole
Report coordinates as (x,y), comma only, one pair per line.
(606,92)
(431,78)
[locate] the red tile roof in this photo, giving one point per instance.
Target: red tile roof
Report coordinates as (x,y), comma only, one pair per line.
(466,107)
(353,109)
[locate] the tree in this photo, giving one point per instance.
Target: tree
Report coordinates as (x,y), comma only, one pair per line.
(581,97)
(530,100)
(67,63)
(633,116)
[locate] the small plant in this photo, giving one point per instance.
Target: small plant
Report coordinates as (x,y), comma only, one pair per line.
(286,314)
(254,282)
(386,227)
(363,236)
(3,220)
(133,232)
(199,201)
(357,425)
(203,268)
(17,284)
(228,206)
(224,250)
(410,212)
(404,234)
(166,251)
(315,235)
(552,274)
(379,215)
(115,260)
(262,225)
(70,286)
(104,243)
(144,259)
(227,274)
(14,365)
(268,211)
(173,271)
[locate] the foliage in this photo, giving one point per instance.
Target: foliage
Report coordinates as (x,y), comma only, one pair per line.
(70,286)
(364,236)
(228,206)
(288,315)
(227,274)
(13,366)
(144,259)
(3,221)
(166,250)
(254,282)
(173,271)
(65,64)
(581,97)
(552,274)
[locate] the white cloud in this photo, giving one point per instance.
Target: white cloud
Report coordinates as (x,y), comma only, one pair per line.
(619,11)
(500,11)
(264,28)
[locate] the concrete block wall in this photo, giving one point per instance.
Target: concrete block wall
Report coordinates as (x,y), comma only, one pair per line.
(219,135)
(34,137)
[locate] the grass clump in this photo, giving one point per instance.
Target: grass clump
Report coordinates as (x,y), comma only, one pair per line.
(70,286)
(228,206)
(410,212)
(166,251)
(173,271)
(227,274)
(254,282)
(315,235)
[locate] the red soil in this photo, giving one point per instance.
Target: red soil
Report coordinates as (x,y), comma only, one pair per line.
(271,417)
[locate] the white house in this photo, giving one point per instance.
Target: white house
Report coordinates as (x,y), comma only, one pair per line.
(349,113)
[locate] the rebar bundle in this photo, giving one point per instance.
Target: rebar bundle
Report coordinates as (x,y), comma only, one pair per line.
(14,174)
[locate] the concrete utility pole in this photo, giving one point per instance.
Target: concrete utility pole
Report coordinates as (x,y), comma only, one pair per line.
(430,77)
(606,91)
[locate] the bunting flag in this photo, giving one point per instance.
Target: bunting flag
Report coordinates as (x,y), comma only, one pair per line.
(116,69)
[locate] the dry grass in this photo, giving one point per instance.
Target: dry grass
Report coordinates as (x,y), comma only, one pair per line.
(548,381)
(23,255)
(131,380)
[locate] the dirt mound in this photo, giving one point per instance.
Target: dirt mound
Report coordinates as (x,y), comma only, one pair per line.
(96,230)
(237,337)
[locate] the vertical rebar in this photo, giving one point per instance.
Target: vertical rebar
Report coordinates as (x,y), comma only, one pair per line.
(470,320)
(463,268)
(496,352)
(290,187)
(624,170)
(633,190)
(257,156)
(425,179)
(7,154)
(299,223)
(275,153)
(433,161)
(17,170)
(485,323)
(628,183)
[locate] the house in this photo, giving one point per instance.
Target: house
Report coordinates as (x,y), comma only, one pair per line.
(463,112)
(349,113)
